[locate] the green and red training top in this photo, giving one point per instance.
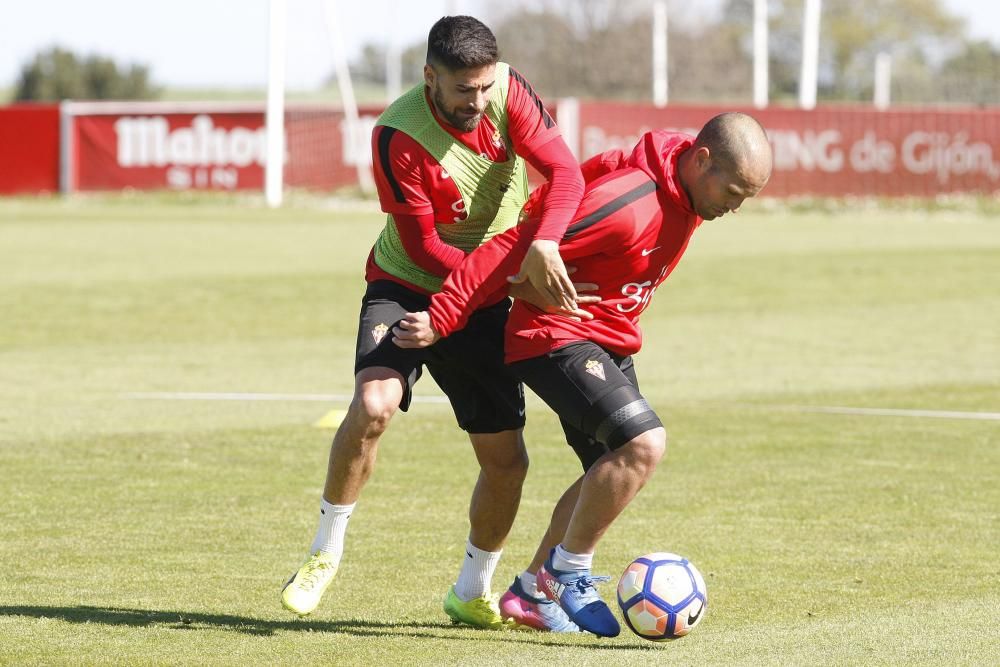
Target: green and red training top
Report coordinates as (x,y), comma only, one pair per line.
(419,193)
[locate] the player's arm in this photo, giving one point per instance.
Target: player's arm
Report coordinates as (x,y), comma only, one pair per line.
(422,243)
(402,191)
(480,277)
(476,281)
(604,222)
(536,138)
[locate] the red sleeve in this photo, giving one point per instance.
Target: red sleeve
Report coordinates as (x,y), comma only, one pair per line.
(480,278)
(398,166)
(528,123)
(558,204)
(424,246)
(536,138)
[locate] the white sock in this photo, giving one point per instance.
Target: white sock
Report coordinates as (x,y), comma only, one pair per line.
(567,560)
(332,526)
(530,584)
(477,573)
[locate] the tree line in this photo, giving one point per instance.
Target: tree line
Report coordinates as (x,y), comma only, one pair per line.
(602,49)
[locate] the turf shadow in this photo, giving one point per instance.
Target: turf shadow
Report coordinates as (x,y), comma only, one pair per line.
(183,620)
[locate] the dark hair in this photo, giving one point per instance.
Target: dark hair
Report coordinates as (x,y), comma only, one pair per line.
(461,42)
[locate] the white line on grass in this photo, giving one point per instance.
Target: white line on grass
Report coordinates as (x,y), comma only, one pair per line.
(235,396)
(888,412)
(334,398)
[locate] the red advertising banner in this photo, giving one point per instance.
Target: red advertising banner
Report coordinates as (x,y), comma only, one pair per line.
(180,151)
(829,151)
(837,150)
(212,149)
(29,148)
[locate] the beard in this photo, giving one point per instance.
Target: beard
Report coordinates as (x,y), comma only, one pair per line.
(463,123)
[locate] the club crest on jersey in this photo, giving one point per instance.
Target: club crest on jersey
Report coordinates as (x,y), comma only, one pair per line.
(498,139)
(379,332)
(596,369)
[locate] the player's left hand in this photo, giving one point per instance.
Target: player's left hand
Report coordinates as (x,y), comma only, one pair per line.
(543,267)
(415,331)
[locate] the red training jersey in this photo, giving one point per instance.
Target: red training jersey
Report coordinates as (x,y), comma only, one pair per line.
(631,229)
(418,193)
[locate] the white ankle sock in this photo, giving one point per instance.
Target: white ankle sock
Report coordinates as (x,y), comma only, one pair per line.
(530,584)
(567,560)
(477,573)
(332,526)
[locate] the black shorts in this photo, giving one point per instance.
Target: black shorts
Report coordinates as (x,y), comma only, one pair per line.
(595,394)
(467,365)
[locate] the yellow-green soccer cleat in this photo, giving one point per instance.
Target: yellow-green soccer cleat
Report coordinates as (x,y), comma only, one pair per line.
(304,590)
(477,612)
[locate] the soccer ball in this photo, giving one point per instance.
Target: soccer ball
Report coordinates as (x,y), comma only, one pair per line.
(662,596)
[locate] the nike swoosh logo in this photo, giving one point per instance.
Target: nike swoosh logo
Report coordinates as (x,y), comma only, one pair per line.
(646,253)
(693,618)
(520,413)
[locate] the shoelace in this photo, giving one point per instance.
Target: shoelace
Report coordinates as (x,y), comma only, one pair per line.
(583,583)
(313,573)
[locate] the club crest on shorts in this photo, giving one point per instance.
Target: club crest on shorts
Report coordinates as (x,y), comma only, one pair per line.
(596,369)
(379,332)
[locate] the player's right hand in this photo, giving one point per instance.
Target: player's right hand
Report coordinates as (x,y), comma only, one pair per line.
(543,267)
(415,331)
(526,292)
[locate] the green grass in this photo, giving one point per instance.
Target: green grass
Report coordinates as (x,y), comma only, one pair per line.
(160,532)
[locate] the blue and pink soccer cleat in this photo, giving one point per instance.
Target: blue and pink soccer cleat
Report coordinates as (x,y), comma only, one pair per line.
(574,592)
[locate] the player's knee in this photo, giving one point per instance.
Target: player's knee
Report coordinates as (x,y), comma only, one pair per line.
(511,465)
(648,448)
(504,456)
(374,410)
(515,464)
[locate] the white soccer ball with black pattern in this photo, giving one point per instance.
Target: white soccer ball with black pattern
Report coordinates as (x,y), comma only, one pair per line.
(662,596)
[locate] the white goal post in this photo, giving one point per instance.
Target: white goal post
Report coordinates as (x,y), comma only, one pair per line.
(356,135)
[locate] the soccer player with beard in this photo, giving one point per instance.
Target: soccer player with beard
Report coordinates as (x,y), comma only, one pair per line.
(449,161)
(633,225)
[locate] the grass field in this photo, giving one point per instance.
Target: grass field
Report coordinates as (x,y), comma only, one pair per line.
(136,530)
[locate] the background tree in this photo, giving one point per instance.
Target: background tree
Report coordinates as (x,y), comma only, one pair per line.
(602,49)
(972,75)
(58,74)
(532,41)
(369,66)
(914,32)
(583,48)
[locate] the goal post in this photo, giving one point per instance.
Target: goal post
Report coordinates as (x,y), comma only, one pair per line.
(281,121)
(274,165)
